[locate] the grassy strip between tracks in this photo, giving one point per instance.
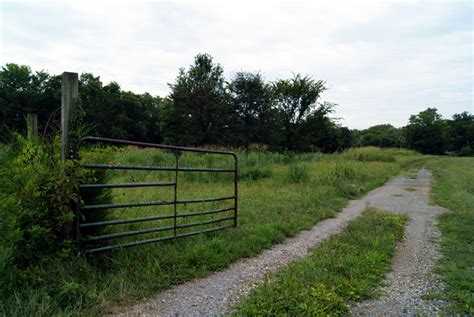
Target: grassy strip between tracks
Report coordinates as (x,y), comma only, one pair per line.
(346,267)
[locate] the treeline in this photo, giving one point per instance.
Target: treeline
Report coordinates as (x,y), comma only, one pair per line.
(427,132)
(203,108)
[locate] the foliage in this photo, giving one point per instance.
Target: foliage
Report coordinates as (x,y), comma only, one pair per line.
(204,109)
(37,190)
(201,112)
(295,98)
(252,101)
(383,135)
(427,132)
(453,189)
(23,92)
(461,137)
(345,268)
(120,114)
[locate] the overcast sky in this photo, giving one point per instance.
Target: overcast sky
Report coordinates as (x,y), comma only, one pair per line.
(382,60)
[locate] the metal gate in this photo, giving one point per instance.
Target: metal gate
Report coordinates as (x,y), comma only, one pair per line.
(94,243)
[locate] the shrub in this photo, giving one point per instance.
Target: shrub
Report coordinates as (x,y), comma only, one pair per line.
(37,190)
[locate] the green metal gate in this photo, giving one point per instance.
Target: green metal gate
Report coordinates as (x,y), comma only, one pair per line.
(95,243)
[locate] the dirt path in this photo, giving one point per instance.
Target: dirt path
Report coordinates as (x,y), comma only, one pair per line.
(219,292)
(411,279)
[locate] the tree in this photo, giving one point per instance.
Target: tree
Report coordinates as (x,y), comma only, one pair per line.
(382,135)
(427,132)
(23,92)
(296,98)
(252,103)
(201,112)
(322,133)
(462,133)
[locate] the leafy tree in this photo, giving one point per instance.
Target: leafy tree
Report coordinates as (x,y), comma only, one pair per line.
(23,92)
(296,99)
(119,114)
(462,133)
(427,132)
(201,110)
(252,102)
(154,108)
(322,133)
(382,135)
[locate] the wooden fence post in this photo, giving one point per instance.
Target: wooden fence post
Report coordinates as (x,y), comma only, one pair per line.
(32,125)
(69,96)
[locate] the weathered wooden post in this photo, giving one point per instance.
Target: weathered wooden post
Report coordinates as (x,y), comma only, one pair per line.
(69,96)
(32,125)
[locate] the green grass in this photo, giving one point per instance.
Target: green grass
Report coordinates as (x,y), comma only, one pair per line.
(279,202)
(346,267)
(454,190)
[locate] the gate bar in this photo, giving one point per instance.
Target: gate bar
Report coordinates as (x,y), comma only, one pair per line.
(151,218)
(151,230)
(131,244)
(144,144)
(158,168)
(155,203)
(125,185)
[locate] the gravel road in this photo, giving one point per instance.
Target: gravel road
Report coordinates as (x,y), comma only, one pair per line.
(409,281)
(411,278)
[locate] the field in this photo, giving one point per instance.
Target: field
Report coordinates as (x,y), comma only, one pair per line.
(279,195)
(454,189)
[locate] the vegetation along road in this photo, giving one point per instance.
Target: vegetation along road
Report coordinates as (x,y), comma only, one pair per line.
(218,293)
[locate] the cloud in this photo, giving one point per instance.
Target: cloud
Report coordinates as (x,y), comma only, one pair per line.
(381,60)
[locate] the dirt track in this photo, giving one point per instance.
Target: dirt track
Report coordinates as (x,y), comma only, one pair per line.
(406,285)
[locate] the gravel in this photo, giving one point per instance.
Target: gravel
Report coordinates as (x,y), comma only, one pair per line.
(218,293)
(411,279)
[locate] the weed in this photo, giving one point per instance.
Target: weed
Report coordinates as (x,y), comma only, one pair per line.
(297,173)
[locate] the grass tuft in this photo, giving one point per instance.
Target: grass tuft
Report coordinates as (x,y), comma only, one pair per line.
(298,173)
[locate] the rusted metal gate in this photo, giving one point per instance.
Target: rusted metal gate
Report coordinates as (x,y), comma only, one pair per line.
(95,243)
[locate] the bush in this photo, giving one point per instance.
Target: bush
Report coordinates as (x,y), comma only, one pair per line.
(37,190)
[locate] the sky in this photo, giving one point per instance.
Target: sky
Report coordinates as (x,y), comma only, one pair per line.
(381,60)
